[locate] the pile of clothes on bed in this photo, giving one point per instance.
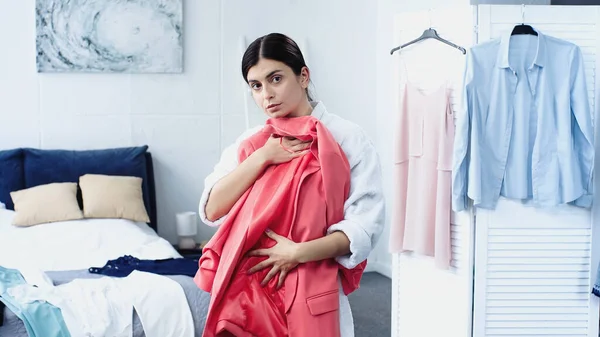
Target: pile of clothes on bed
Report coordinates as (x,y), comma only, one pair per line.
(102,300)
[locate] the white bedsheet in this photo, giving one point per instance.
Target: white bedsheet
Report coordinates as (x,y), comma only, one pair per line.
(77,244)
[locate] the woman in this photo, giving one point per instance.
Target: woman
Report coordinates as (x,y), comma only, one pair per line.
(274,68)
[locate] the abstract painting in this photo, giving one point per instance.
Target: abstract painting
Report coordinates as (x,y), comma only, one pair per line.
(117,36)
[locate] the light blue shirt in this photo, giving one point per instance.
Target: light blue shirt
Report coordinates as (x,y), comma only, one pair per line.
(526,130)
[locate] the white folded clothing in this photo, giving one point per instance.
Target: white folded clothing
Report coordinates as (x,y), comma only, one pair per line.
(104,306)
(90,307)
(160,304)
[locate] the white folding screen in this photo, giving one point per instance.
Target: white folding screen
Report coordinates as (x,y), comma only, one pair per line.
(428,301)
(517,271)
(534,268)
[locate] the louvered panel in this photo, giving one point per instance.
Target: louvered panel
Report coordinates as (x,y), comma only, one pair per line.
(547,253)
(538,268)
(547,310)
(514,306)
(460,245)
(534,268)
(547,332)
(556,245)
(556,317)
(543,231)
(549,225)
(573,324)
(566,293)
(536,282)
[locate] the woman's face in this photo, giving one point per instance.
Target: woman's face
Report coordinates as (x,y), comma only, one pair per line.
(277,90)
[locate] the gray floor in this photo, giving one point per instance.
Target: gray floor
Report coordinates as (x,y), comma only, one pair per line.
(372,306)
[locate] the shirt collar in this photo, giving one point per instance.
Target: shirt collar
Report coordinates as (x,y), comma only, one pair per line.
(319,110)
(540,55)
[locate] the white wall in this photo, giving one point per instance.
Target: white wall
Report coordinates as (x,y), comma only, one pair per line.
(186,119)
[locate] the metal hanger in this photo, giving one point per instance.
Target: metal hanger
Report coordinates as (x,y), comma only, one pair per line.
(429,33)
(523,29)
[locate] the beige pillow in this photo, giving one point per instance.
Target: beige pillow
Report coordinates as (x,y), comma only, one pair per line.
(116,197)
(46,203)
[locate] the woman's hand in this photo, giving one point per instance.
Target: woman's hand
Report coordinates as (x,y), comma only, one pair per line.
(282,256)
(278,150)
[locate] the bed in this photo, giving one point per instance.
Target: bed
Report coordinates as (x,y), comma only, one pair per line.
(65,250)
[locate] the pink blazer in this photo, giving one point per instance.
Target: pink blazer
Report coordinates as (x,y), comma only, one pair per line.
(300,200)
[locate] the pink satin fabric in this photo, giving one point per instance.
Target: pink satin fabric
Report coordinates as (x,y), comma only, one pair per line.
(299,200)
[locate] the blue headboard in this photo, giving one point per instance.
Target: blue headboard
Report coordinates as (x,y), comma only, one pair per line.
(28,167)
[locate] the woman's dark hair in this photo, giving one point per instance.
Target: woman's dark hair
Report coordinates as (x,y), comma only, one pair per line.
(274,46)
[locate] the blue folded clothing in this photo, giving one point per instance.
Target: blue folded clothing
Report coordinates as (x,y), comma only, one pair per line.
(124,265)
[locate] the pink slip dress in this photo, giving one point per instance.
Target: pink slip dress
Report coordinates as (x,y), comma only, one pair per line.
(423,175)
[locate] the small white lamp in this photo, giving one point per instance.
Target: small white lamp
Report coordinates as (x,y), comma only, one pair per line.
(187,228)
